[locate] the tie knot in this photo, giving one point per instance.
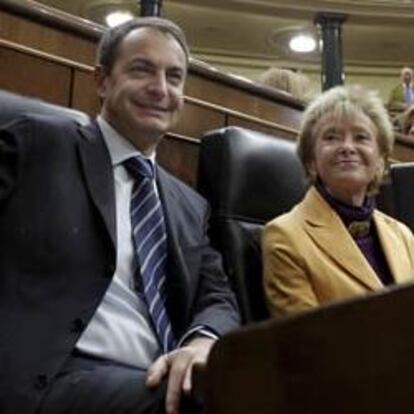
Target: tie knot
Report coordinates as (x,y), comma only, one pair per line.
(139,167)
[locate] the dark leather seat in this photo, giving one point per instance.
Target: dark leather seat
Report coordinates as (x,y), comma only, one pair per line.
(12,105)
(248,178)
(402,178)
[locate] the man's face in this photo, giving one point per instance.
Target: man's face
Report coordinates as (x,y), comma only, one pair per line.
(407,76)
(143,94)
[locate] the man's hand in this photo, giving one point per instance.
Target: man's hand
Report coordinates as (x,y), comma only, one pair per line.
(179,364)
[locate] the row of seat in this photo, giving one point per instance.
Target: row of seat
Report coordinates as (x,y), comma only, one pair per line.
(257,177)
(242,200)
(349,357)
(249,178)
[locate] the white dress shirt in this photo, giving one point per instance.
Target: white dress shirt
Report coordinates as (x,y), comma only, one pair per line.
(120,329)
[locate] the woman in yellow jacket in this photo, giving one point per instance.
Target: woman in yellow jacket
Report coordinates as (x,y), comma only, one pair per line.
(335,244)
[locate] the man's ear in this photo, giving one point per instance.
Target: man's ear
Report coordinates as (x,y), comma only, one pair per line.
(100,80)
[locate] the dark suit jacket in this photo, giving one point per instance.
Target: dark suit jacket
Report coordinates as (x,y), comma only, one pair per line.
(58,250)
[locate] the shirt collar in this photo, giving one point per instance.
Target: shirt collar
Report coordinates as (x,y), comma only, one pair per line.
(120,149)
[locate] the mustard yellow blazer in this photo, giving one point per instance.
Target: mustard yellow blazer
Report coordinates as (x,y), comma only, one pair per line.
(310,259)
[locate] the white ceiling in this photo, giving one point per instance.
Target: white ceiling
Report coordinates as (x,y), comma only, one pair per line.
(377,33)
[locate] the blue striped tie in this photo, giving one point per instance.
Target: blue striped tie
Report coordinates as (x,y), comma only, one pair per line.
(150,242)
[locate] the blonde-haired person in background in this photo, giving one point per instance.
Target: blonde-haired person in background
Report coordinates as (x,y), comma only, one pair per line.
(297,84)
(334,244)
(402,95)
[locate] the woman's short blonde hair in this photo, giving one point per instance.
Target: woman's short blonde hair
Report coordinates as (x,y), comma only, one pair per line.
(344,102)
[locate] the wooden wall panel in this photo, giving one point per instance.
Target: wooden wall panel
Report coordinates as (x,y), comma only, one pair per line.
(33,76)
(179,156)
(54,62)
(239,100)
(84,94)
(196,120)
(256,126)
(403,153)
(48,39)
(278,113)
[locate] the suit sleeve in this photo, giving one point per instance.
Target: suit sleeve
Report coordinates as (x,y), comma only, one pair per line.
(215,305)
(286,282)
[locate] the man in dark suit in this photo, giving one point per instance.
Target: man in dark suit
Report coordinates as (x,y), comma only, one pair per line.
(109,289)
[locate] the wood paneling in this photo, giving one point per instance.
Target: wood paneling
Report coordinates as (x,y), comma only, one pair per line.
(278,113)
(42,57)
(403,148)
(257,126)
(30,75)
(179,155)
(46,38)
(403,152)
(349,357)
(241,101)
(196,120)
(84,95)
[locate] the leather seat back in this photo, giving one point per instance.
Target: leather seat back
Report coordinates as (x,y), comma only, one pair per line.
(13,105)
(249,178)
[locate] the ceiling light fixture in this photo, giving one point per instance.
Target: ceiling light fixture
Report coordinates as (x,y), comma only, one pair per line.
(116,18)
(302,43)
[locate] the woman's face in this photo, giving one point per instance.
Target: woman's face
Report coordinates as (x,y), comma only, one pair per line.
(346,156)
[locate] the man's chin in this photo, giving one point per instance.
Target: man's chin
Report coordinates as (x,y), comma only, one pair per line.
(157,128)
(150,124)
(153,130)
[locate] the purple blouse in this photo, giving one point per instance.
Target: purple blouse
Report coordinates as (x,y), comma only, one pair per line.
(367,237)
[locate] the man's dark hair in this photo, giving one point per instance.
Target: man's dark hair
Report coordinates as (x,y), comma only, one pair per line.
(111,39)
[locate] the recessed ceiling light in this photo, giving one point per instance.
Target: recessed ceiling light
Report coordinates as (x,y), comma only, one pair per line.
(116,18)
(302,43)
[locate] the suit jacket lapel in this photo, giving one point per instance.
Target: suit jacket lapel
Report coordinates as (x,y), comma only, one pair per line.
(392,246)
(97,167)
(329,233)
(178,278)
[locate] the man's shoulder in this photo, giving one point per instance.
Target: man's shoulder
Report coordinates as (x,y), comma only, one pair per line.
(45,127)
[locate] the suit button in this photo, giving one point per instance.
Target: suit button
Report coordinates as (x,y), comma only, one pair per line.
(77,325)
(41,382)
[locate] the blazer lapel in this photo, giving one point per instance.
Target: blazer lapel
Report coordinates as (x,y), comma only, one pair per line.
(97,167)
(329,233)
(392,247)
